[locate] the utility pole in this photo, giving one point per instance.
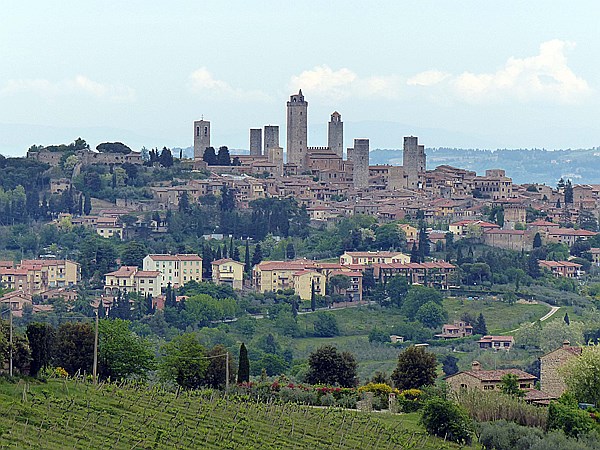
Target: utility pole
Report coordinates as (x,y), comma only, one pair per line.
(11,343)
(226,371)
(95,369)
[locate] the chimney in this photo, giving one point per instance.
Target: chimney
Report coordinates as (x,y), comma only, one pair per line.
(566,344)
(475,366)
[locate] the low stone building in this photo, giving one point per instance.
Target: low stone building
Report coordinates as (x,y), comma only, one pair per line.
(551,380)
(496,342)
(488,380)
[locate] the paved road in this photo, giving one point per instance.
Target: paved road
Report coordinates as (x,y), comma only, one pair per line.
(550,313)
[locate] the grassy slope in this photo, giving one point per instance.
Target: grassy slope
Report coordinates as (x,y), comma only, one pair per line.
(499,316)
(356,323)
(64,415)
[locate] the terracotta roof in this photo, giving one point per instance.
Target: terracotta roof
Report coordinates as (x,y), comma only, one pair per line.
(496,338)
(226,260)
(496,375)
(146,273)
(123,271)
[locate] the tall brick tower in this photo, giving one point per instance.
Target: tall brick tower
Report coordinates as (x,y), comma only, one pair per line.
(201,138)
(297,130)
(360,160)
(414,162)
(335,136)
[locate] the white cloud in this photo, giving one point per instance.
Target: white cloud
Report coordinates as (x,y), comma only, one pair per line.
(544,77)
(427,78)
(79,84)
(343,83)
(202,83)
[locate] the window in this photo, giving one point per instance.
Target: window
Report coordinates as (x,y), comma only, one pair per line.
(205,131)
(488,387)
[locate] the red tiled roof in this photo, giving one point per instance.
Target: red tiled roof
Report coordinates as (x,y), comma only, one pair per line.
(496,375)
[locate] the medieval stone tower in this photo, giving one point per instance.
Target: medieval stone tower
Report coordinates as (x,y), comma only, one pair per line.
(360,163)
(297,130)
(335,136)
(201,138)
(255,141)
(275,156)
(414,162)
(271,138)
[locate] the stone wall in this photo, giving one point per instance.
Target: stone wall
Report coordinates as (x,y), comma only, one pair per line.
(551,381)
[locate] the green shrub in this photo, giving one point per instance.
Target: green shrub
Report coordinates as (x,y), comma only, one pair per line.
(503,435)
(328,400)
(572,420)
(447,420)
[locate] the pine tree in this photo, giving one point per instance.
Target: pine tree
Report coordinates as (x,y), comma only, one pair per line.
(480,326)
(257,256)
(243,366)
(290,251)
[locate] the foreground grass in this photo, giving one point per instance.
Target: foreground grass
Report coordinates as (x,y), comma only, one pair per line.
(69,414)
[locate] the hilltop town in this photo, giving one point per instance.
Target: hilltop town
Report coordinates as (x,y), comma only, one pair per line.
(294,252)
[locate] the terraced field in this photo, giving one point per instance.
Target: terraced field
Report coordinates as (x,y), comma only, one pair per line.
(75,415)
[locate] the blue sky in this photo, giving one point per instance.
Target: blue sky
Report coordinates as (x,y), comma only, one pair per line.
(457,73)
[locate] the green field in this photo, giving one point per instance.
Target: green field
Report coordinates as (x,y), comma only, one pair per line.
(74,415)
(500,317)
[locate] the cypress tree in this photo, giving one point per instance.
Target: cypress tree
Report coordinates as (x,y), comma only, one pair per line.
(313,297)
(566,319)
(247,264)
(101,310)
(244,365)
(87,205)
(414,253)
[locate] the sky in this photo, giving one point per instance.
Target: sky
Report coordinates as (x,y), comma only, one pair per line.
(470,74)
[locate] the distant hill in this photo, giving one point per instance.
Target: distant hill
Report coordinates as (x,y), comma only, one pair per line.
(582,166)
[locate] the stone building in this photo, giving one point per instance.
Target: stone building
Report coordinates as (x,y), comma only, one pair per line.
(414,162)
(360,166)
(297,130)
(551,380)
(256,141)
(335,134)
(275,157)
(487,380)
(495,184)
(201,138)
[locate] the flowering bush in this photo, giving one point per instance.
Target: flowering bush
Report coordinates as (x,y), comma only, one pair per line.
(410,400)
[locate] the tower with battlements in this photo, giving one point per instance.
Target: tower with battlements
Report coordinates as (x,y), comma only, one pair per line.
(297,130)
(360,163)
(414,162)
(201,138)
(256,141)
(335,135)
